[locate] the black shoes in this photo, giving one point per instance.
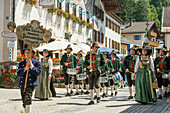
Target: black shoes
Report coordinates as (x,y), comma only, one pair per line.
(111,94)
(95,97)
(121,87)
(67,94)
(160,97)
(115,93)
(71,92)
(135,96)
(98,99)
(77,93)
(82,92)
(130,97)
(104,95)
(87,92)
(91,102)
(165,94)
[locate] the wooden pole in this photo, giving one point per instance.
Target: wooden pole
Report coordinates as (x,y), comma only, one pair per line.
(26,78)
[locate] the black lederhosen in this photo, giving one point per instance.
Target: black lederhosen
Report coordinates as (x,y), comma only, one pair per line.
(123,75)
(27,95)
(105,84)
(67,79)
(94,79)
(162,82)
(129,79)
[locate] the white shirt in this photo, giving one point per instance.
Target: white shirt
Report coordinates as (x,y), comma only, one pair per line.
(50,62)
(151,64)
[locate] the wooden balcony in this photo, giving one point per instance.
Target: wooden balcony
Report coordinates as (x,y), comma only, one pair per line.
(152,34)
(153,44)
(112,6)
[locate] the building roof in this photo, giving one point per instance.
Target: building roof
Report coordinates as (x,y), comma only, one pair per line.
(112,6)
(137,27)
(165,19)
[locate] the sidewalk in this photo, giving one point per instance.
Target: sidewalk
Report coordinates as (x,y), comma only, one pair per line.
(10,103)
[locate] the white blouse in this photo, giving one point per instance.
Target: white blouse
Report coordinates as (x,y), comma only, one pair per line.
(50,62)
(151,64)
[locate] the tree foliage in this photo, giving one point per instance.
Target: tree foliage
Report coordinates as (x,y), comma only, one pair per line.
(143,10)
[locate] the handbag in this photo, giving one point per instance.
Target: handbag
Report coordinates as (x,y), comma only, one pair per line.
(155,85)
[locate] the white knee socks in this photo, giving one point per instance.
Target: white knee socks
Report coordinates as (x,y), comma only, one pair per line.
(67,86)
(115,88)
(130,91)
(111,89)
(98,92)
(160,91)
(77,88)
(134,89)
(92,94)
(28,109)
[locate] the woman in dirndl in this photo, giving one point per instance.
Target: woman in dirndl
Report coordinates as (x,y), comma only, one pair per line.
(145,75)
(42,91)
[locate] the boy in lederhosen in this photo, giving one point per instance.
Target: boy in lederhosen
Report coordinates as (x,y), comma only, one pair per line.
(68,60)
(108,68)
(116,68)
(129,64)
(80,64)
(161,67)
(34,67)
(93,70)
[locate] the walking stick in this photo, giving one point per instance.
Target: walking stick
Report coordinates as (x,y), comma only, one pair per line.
(90,57)
(26,78)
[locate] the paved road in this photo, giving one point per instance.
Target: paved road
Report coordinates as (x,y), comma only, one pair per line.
(10,103)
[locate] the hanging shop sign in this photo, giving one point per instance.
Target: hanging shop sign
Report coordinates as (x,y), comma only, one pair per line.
(46,3)
(33,34)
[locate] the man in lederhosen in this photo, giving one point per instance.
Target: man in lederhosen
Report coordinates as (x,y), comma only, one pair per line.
(34,67)
(108,68)
(68,60)
(80,64)
(161,67)
(93,70)
(129,64)
(116,68)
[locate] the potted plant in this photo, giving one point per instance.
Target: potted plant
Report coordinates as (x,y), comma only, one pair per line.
(78,20)
(83,22)
(34,2)
(53,9)
(56,61)
(90,26)
(60,12)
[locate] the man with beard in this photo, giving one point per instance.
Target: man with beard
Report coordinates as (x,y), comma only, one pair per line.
(161,67)
(129,64)
(68,60)
(94,66)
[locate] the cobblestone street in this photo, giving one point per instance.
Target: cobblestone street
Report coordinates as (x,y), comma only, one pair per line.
(10,103)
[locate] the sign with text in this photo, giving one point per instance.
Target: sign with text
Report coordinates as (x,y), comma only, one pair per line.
(9,34)
(33,34)
(10,44)
(46,2)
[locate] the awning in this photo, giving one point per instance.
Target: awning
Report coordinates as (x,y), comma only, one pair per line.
(57,46)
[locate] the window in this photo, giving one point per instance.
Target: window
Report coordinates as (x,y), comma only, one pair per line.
(106,22)
(102,38)
(118,46)
(113,26)
(109,42)
(118,29)
(87,17)
(106,42)
(74,10)
(67,7)
(99,36)
(99,13)
(113,44)
(137,37)
(110,24)
(95,35)
(80,13)
(59,5)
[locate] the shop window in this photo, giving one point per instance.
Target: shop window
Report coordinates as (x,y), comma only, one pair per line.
(137,37)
